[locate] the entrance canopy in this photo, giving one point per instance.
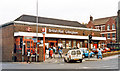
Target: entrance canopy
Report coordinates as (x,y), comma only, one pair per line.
(56,36)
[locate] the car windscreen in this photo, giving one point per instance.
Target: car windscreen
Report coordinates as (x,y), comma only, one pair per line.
(78,52)
(73,53)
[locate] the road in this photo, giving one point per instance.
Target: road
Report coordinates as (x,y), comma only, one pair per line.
(106,63)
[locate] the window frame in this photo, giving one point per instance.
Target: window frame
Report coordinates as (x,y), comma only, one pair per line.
(109,36)
(108,27)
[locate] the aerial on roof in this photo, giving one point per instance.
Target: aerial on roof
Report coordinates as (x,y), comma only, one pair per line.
(103,20)
(44,20)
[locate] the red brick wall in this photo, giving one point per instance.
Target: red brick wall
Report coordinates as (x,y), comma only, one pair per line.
(7,43)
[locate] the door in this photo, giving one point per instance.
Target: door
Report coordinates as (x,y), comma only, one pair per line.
(95,45)
(29,46)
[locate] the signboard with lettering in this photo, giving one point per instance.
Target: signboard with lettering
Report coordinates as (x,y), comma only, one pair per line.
(62,31)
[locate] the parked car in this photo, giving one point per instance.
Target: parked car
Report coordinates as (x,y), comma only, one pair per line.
(96,50)
(73,55)
(86,53)
(107,49)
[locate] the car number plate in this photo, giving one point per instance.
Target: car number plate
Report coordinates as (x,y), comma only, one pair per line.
(76,59)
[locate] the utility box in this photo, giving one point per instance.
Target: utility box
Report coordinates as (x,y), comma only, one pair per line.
(41,54)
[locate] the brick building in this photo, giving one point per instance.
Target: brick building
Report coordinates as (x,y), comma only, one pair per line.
(19,36)
(107,26)
(118,28)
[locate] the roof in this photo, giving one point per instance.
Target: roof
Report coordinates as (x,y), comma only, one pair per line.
(44,20)
(101,21)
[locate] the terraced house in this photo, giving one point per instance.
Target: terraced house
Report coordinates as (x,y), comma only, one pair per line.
(107,26)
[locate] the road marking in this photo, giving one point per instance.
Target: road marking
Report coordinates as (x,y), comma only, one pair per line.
(86,67)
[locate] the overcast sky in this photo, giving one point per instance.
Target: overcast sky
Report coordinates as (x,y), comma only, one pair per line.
(74,10)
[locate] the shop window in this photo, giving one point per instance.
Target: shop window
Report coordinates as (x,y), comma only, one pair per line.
(74,44)
(63,43)
(68,44)
(81,44)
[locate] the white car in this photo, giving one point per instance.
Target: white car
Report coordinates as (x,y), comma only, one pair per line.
(74,55)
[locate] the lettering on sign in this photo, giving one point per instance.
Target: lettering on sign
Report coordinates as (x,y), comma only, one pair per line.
(62,31)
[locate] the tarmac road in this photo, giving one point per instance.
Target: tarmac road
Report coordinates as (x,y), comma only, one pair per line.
(106,63)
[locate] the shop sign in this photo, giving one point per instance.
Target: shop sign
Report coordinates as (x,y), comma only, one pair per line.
(43,30)
(28,29)
(62,31)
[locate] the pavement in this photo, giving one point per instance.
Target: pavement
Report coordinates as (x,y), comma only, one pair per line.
(58,60)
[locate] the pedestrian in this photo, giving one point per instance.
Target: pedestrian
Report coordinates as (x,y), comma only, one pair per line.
(99,53)
(60,53)
(58,48)
(54,50)
(28,56)
(51,53)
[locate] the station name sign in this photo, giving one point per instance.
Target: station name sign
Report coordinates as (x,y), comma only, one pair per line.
(62,31)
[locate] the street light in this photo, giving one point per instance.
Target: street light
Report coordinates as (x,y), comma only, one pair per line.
(36,26)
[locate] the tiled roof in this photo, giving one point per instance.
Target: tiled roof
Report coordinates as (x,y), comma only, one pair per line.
(101,21)
(44,20)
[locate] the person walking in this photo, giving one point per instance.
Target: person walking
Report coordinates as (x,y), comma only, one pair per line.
(51,53)
(99,54)
(54,50)
(28,56)
(60,53)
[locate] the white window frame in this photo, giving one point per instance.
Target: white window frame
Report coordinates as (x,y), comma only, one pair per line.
(112,35)
(103,28)
(107,36)
(108,27)
(112,27)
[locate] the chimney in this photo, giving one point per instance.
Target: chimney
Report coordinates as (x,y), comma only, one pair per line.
(91,18)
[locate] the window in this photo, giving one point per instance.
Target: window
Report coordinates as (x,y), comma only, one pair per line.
(108,27)
(96,27)
(108,35)
(103,35)
(73,53)
(103,28)
(74,44)
(63,43)
(113,35)
(113,27)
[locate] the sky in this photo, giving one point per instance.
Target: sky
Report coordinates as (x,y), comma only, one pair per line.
(73,10)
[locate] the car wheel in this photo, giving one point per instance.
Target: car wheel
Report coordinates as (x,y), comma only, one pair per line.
(83,56)
(65,60)
(93,55)
(80,60)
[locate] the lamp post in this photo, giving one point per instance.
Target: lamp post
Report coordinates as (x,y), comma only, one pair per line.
(36,28)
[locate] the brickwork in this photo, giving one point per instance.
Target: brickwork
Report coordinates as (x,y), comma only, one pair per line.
(104,22)
(7,42)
